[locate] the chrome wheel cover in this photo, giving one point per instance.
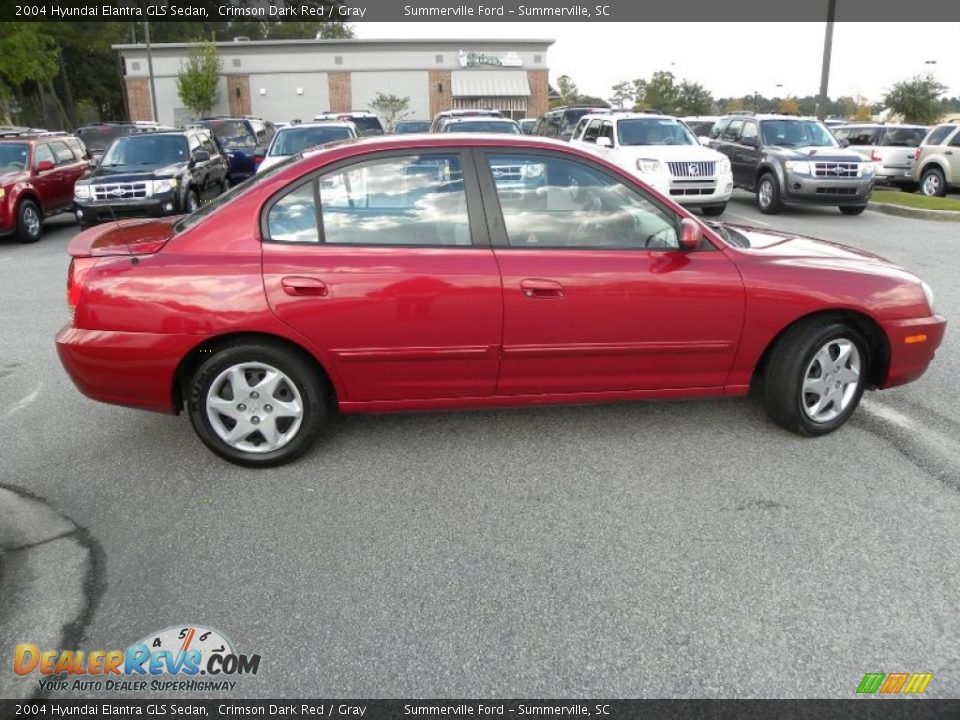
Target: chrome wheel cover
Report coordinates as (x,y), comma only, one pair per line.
(193,203)
(931,185)
(31,221)
(831,380)
(765,193)
(254,407)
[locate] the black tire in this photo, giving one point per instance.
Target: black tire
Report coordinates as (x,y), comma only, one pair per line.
(29,222)
(714,210)
(305,379)
(933,183)
(774,205)
(191,202)
(852,209)
(788,364)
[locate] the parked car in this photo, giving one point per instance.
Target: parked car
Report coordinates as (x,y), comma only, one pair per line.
(445,116)
(406,127)
(833,122)
(294,139)
(559,122)
(153,174)
(527,125)
(663,152)
(393,274)
(367,123)
(790,159)
(891,147)
(243,141)
(37,173)
(701,125)
(936,164)
(480,124)
(98,136)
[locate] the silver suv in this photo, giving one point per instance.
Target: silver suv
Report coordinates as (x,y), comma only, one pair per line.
(936,163)
(891,147)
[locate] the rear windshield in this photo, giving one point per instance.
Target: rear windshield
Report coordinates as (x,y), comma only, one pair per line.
(939,134)
(367,125)
(13,156)
(294,140)
(483,126)
(146,151)
(411,126)
(903,137)
(570,117)
(98,138)
(232,134)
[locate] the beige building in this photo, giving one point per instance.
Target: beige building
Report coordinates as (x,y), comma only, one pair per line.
(281,80)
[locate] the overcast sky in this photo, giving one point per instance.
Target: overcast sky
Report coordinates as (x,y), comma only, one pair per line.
(867,57)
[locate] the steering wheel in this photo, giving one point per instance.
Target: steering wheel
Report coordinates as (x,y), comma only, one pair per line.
(17,165)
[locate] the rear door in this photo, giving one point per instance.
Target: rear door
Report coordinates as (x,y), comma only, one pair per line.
(745,147)
(597,295)
(385,265)
(69,169)
(47,182)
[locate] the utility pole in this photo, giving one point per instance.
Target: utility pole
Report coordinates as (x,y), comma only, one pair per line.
(825,68)
(153,89)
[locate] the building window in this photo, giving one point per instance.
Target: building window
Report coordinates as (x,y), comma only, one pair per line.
(439,59)
(338,59)
(538,59)
(236,62)
(514,108)
(134,65)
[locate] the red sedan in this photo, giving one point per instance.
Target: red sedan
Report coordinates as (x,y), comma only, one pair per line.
(439,272)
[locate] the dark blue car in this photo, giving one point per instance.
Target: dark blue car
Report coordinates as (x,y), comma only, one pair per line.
(243,141)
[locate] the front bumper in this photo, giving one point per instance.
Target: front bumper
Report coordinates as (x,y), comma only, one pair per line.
(824,191)
(687,191)
(913,344)
(124,368)
(91,212)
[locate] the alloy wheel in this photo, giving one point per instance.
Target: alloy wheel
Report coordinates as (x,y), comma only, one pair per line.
(831,380)
(31,221)
(766,193)
(931,185)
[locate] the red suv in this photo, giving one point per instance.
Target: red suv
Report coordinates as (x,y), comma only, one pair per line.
(423,272)
(37,174)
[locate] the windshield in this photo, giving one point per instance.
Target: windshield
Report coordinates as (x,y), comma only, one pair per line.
(293,140)
(654,131)
(483,126)
(411,126)
(232,134)
(13,156)
(527,125)
(796,133)
(99,137)
(367,125)
(146,150)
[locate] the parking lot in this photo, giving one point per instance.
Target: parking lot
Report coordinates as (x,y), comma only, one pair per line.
(666,549)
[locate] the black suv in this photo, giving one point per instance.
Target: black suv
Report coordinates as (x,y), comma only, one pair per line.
(98,136)
(790,159)
(151,174)
(242,140)
(559,122)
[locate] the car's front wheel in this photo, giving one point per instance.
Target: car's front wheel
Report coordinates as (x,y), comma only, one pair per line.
(29,222)
(192,203)
(714,210)
(768,195)
(933,184)
(815,376)
(257,405)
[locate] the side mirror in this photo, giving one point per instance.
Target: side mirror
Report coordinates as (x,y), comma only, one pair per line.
(201,156)
(690,234)
(704,140)
(844,143)
(604,142)
(749,142)
(45,165)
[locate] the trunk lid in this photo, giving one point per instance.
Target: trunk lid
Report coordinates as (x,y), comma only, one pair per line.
(142,236)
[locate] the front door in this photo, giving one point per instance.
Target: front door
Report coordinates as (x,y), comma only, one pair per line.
(385,266)
(597,294)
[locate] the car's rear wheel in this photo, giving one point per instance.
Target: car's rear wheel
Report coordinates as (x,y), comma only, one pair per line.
(852,209)
(933,184)
(815,376)
(714,209)
(192,203)
(257,405)
(768,194)
(29,222)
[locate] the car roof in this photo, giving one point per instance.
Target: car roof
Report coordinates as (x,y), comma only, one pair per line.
(319,124)
(628,115)
(478,118)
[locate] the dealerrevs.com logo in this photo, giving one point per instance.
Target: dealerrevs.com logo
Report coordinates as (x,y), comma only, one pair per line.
(179,658)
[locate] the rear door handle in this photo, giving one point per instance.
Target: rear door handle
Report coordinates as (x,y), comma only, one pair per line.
(537,288)
(304,286)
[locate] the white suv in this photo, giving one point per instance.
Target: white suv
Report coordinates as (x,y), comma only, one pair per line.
(661,151)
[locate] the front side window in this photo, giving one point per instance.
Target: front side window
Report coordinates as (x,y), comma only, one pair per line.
(654,131)
(749,131)
(732,131)
(552,202)
(416,200)
(41,154)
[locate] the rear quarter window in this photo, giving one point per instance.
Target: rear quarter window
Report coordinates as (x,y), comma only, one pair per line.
(939,134)
(903,137)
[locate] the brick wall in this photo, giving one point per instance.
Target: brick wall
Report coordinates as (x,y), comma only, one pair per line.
(138,98)
(441,94)
(238,94)
(340,91)
(538,103)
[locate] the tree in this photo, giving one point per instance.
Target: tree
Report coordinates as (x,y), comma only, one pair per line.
(27,53)
(734,105)
(917,99)
(863,113)
(693,99)
(391,108)
(567,89)
(789,106)
(659,92)
(623,94)
(198,80)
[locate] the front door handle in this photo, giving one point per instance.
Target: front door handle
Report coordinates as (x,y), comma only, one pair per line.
(537,288)
(304,286)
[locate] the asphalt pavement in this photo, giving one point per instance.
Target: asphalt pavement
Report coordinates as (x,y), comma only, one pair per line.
(668,549)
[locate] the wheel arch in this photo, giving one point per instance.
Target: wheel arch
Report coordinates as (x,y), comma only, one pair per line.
(934,164)
(877,341)
(30,195)
(192,359)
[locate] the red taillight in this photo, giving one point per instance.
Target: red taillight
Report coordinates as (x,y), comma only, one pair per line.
(78,269)
(257,159)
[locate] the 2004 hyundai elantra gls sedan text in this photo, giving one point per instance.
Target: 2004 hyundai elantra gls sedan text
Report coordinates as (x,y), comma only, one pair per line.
(441,272)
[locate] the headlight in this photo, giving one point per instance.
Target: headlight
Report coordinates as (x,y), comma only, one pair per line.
(648,165)
(534,170)
(867,169)
(801,167)
(928,294)
(81,191)
(162,186)
(723,166)
(3,193)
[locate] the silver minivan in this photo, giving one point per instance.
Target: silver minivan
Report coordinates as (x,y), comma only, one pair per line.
(890,146)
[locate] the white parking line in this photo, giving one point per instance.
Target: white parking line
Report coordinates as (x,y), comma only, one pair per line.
(749,219)
(27,401)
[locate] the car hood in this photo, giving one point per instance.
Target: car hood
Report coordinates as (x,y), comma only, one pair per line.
(828,154)
(776,243)
(125,174)
(126,237)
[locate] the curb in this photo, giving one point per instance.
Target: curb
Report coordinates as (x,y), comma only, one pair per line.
(918,213)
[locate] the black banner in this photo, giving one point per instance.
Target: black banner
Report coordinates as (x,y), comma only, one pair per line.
(863,709)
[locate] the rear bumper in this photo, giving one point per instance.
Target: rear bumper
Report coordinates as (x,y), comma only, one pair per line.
(913,344)
(124,368)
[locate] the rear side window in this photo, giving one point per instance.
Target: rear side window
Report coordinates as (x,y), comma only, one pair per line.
(939,134)
(903,137)
(62,154)
(77,147)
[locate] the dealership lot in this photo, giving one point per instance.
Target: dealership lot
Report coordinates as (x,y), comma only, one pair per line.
(667,549)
